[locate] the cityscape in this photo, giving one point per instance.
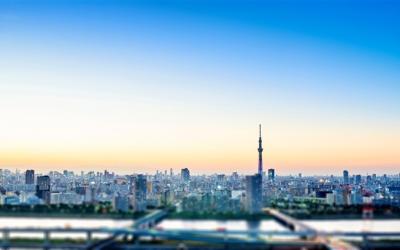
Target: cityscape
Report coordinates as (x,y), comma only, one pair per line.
(200,124)
(218,193)
(165,194)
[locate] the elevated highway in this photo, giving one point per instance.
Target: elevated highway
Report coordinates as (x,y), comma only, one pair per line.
(309,232)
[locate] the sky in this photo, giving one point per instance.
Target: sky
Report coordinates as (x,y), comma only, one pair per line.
(140,86)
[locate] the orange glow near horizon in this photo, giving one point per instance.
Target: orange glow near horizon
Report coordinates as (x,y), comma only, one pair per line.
(125,145)
(219,156)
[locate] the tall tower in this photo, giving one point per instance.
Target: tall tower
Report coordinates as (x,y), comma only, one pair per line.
(260,150)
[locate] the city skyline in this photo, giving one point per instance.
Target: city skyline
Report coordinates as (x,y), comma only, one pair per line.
(140,86)
(249,170)
(268,173)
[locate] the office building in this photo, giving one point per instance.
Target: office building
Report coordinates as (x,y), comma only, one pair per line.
(346,177)
(185,174)
(271,174)
(140,193)
(254,193)
(121,203)
(358,179)
(30,177)
(369,180)
(43,188)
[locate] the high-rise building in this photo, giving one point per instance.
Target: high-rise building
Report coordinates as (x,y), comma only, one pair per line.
(351,179)
(260,150)
(166,198)
(121,203)
(385,179)
(346,195)
(358,179)
(185,174)
(43,188)
(140,193)
(90,194)
(346,177)
(220,178)
(271,174)
(369,179)
(254,193)
(30,177)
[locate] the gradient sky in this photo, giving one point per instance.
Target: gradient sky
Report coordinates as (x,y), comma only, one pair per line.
(135,86)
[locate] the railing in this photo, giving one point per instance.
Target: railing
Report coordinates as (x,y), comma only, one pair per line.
(47,233)
(206,236)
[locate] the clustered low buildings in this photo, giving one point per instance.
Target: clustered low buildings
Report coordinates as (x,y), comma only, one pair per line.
(202,193)
(126,193)
(338,190)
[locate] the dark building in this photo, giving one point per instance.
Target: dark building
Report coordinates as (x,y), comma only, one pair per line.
(346,177)
(369,180)
(385,179)
(358,179)
(30,177)
(121,203)
(351,179)
(271,174)
(322,193)
(43,188)
(254,193)
(185,174)
(220,178)
(140,192)
(81,190)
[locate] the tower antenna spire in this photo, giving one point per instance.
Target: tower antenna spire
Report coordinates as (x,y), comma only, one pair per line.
(260,150)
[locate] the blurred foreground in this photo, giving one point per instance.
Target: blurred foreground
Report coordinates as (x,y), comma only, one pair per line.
(156,231)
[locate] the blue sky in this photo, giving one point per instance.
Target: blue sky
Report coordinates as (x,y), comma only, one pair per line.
(190,80)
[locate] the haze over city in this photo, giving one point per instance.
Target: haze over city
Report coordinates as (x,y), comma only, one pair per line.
(144,86)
